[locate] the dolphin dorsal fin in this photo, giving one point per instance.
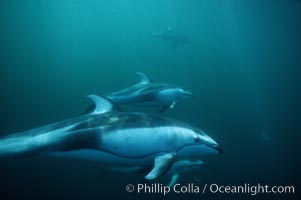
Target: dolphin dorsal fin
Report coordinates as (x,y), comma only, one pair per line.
(144,78)
(102,104)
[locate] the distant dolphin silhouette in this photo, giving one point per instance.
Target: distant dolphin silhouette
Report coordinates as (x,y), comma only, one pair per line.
(174,37)
(115,139)
(266,136)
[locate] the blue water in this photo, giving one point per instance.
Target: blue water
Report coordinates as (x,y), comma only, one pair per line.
(242,63)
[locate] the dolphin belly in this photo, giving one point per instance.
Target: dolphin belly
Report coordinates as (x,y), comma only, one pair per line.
(140,142)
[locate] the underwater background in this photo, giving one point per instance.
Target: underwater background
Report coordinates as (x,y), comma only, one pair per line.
(242,63)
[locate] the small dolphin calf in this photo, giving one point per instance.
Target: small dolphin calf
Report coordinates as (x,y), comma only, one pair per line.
(148,93)
(181,167)
(116,139)
(174,37)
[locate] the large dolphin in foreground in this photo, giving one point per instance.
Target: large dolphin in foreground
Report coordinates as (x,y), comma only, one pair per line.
(124,140)
(148,93)
(172,36)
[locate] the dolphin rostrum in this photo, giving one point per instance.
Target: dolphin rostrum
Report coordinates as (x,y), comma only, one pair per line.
(125,140)
(148,93)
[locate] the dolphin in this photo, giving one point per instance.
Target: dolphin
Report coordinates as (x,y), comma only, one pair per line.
(148,93)
(182,167)
(126,140)
(174,37)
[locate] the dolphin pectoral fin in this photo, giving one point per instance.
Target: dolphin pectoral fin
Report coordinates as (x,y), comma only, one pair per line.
(162,164)
(144,78)
(174,179)
(103,104)
(174,103)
